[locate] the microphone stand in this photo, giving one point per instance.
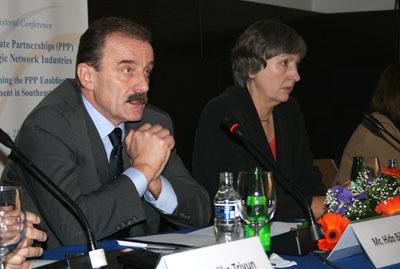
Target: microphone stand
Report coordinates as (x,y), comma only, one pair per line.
(314,229)
(378,125)
(97,256)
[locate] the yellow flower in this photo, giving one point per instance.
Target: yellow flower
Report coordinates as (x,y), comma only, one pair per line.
(333,225)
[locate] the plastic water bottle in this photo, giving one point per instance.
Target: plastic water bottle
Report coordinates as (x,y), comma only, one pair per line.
(227,225)
(392,163)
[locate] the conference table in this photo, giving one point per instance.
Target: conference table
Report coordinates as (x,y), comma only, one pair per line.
(311,260)
(308,261)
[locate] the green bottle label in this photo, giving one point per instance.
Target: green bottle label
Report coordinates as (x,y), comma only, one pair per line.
(257,209)
(256,200)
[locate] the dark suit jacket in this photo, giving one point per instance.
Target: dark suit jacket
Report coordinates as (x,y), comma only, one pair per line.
(61,139)
(216,150)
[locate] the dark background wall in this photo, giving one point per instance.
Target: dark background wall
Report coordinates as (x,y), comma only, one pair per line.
(192,38)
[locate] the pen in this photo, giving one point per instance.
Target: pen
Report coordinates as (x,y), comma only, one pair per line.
(68,256)
(158,243)
(145,246)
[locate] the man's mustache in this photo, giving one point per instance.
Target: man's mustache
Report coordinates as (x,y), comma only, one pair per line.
(138,97)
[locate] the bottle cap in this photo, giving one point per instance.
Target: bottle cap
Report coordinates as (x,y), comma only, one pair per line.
(257,170)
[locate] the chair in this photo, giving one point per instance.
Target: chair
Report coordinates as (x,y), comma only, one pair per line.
(328,169)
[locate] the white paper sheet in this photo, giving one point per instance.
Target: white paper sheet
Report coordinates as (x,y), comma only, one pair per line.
(205,237)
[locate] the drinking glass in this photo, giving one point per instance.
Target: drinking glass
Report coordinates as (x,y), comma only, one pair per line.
(12,221)
(256,208)
(372,167)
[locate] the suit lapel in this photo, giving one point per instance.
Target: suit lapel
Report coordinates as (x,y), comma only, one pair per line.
(283,132)
(96,145)
(279,121)
(125,156)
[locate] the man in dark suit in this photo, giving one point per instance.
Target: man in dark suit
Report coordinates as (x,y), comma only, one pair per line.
(67,137)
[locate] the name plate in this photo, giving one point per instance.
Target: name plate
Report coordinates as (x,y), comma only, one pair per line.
(379,237)
(243,253)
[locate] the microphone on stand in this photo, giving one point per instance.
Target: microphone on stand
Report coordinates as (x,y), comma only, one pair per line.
(96,255)
(376,123)
(303,240)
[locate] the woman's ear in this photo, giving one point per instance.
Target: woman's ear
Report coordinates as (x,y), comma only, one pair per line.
(85,74)
(252,75)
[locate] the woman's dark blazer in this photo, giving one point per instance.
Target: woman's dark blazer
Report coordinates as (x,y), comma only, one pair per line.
(217,150)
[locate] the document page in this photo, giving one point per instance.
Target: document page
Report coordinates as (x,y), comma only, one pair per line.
(199,238)
(205,237)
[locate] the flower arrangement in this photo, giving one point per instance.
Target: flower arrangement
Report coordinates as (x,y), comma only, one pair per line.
(364,198)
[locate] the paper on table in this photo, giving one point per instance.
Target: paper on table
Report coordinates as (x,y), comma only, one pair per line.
(279,262)
(198,238)
(205,237)
(279,227)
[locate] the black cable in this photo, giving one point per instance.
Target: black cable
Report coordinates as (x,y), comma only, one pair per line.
(325,260)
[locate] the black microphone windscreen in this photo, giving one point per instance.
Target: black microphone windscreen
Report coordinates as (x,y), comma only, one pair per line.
(227,122)
(233,127)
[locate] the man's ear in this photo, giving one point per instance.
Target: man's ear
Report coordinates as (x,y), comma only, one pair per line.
(85,74)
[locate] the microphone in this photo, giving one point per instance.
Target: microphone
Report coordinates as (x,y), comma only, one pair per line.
(314,229)
(6,140)
(378,125)
(96,256)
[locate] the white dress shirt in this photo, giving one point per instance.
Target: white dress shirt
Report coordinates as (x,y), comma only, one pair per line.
(167,201)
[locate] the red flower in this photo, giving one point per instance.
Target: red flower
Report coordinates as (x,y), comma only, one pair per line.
(333,225)
(390,206)
(393,172)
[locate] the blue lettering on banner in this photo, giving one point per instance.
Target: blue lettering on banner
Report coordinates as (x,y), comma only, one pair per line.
(25,24)
(6,93)
(34,92)
(3,58)
(4,44)
(22,59)
(32,46)
(5,80)
(64,46)
(56,60)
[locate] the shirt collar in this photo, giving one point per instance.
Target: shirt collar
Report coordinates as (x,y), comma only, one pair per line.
(103,125)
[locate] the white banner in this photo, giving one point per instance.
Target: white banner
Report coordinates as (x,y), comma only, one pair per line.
(38,45)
